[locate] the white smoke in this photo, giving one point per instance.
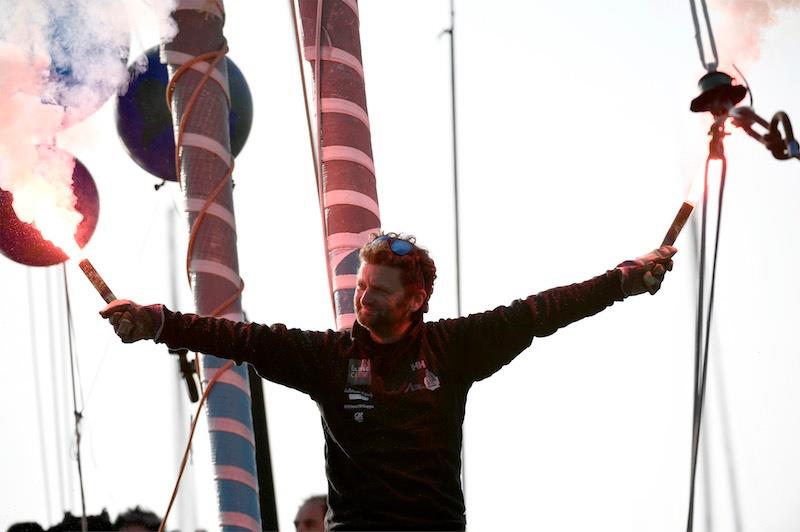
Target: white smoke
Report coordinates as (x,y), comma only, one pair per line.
(150,14)
(87,42)
(739,26)
(60,60)
(167,27)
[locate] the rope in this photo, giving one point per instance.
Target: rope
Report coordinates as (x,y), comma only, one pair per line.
(701,362)
(456,217)
(305,93)
(78,414)
(710,67)
(38,394)
(215,57)
(185,458)
(59,429)
(316,145)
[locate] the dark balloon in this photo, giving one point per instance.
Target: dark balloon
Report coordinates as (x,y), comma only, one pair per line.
(23,243)
(145,125)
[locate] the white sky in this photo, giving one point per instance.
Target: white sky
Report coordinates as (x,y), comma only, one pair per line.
(575,149)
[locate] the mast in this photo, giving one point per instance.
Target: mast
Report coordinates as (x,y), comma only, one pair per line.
(200,102)
(346,178)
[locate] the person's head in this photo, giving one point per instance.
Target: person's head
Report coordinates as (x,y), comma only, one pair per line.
(137,520)
(311,514)
(71,523)
(27,526)
(394,284)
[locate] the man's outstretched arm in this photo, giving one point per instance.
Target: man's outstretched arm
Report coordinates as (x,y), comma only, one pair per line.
(292,357)
(489,340)
(558,307)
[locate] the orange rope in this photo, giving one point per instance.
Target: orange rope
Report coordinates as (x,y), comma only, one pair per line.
(201,216)
(182,468)
(215,58)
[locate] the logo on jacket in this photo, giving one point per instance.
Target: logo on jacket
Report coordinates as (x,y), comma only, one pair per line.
(431,381)
(419,364)
(359,417)
(359,372)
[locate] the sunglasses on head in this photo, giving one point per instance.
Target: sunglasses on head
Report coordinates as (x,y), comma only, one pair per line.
(398,246)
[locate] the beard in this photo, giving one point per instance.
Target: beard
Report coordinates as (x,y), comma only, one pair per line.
(373,319)
(381,320)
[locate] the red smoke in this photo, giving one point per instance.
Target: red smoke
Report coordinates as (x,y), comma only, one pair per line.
(739,25)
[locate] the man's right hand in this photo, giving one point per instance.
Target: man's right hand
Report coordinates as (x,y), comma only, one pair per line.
(134,322)
(646,273)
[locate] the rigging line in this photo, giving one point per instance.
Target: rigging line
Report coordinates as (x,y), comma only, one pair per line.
(456,217)
(698,340)
(708,509)
(701,384)
(733,483)
(317,97)
(305,92)
(710,67)
(37,391)
(315,145)
(746,84)
(78,414)
(704,449)
(451,31)
(710,303)
(105,352)
(54,363)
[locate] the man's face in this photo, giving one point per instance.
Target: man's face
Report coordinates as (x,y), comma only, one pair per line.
(381,300)
(310,517)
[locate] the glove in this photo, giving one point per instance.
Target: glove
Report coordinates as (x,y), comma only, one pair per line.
(134,322)
(646,273)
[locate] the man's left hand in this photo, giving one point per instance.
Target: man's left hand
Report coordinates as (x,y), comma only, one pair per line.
(646,273)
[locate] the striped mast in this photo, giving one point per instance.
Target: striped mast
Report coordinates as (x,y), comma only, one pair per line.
(200,103)
(346,177)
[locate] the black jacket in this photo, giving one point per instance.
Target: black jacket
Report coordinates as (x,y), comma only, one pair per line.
(392,413)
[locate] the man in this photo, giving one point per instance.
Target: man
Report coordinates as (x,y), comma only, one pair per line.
(311,514)
(392,392)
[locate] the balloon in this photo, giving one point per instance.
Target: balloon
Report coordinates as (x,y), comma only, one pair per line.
(23,243)
(145,125)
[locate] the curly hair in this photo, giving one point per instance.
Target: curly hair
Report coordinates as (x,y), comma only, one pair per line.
(417,266)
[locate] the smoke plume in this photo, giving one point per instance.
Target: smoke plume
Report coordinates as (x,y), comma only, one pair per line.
(739,25)
(60,60)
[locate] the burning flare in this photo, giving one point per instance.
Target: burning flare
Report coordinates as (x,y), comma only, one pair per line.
(695,194)
(51,209)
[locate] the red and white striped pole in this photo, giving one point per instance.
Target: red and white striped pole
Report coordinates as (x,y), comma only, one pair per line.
(200,102)
(349,198)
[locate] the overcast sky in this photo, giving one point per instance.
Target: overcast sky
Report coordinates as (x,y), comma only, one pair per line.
(576,147)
